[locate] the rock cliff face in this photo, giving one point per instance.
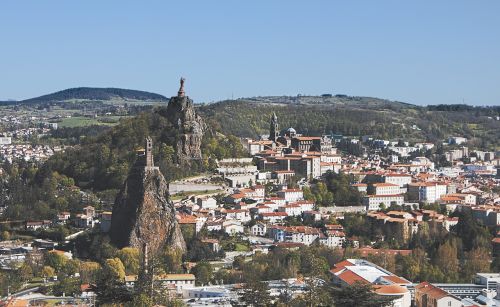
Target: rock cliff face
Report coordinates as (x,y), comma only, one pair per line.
(181,113)
(143,212)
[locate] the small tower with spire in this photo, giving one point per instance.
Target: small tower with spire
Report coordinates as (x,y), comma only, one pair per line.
(149,152)
(274,128)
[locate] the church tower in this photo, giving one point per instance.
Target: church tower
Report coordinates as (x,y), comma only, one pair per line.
(274,129)
(149,152)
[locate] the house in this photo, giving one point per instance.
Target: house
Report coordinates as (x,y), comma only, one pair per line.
(87,292)
(333,238)
(178,282)
(235,198)
(197,221)
(275,202)
(63,217)
(241,215)
(273,217)
(84,221)
(291,210)
(207,202)
(260,208)
(89,211)
(291,195)
(212,243)
(232,227)
(294,234)
(301,234)
(259,229)
(215,224)
(428,295)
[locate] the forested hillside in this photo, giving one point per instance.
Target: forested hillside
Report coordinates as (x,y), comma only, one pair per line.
(356,116)
(102,162)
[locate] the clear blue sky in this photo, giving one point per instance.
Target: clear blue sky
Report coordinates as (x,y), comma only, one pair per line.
(422,52)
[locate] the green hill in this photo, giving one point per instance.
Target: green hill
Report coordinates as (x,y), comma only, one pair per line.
(356,116)
(95,94)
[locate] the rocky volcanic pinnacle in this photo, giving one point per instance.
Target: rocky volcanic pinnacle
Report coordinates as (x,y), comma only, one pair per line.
(143,212)
(181,113)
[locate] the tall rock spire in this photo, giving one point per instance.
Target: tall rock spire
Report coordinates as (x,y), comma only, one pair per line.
(182,115)
(143,212)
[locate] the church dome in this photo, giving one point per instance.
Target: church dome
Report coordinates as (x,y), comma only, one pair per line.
(291,130)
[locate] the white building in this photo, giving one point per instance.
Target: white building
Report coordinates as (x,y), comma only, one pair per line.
(291,195)
(207,202)
(426,191)
(273,217)
(456,140)
(259,229)
(373,202)
(386,189)
(402,180)
(333,238)
(239,215)
(232,227)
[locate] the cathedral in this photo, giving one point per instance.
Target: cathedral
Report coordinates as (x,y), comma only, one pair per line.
(290,139)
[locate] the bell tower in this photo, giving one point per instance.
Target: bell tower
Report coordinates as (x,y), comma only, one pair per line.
(274,128)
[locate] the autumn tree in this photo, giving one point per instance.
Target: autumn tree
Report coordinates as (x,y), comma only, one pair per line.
(476,261)
(111,282)
(447,257)
(89,271)
(129,256)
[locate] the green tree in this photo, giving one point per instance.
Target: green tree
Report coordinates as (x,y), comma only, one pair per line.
(111,283)
(55,260)
(173,260)
(203,272)
(358,294)
(256,293)
(141,300)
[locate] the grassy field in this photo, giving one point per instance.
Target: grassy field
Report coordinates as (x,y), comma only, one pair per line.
(72,122)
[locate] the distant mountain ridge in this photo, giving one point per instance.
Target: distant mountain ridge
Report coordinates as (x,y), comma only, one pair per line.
(93,93)
(329,99)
